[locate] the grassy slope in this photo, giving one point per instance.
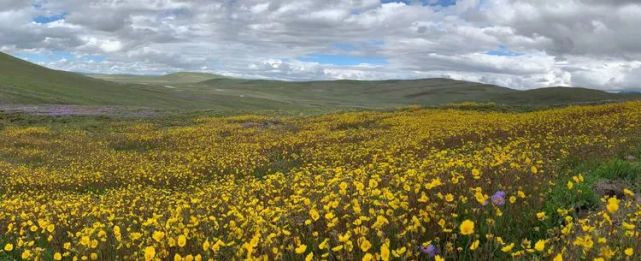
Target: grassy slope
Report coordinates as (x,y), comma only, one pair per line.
(169,79)
(22,82)
(364,94)
(395,93)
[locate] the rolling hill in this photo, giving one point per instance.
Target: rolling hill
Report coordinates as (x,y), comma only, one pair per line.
(166,80)
(25,83)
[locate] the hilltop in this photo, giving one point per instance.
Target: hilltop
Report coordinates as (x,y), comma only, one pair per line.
(172,78)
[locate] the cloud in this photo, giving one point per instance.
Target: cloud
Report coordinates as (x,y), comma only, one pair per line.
(586,43)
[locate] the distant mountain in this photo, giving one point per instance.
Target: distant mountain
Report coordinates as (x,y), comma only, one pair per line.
(172,78)
(22,82)
(629,92)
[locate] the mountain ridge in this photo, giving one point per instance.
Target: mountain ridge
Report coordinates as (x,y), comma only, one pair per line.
(22,82)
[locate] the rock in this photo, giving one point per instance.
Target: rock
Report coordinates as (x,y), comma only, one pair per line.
(610,188)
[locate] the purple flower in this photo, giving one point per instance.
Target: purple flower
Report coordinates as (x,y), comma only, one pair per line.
(498,199)
(430,250)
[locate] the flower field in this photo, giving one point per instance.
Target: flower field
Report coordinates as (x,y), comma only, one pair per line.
(414,184)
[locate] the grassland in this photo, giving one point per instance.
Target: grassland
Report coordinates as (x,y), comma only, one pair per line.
(409,184)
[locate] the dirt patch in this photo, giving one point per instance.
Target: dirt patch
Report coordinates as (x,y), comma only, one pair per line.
(610,188)
(77,110)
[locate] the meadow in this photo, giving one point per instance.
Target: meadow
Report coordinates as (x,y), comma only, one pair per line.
(453,183)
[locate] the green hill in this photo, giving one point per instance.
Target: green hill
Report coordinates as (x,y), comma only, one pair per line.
(22,82)
(168,79)
(25,83)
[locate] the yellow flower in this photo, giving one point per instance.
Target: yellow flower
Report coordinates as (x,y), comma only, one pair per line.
(570,185)
(368,257)
(206,245)
(476,174)
(313,213)
(628,193)
(51,228)
(439,258)
(85,241)
(399,252)
(182,241)
(117,233)
(8,247)
(467,227)
(158,236)
(508,248)
(628,226)
(599,259)
(558,257)
(449,197)
(323,245)
(150,253)
(57,256)
(629,251)
(475,245)
(541,216)
(385,252)
(26,254)
(135,236)
(309,256)
(613,205)
(300,249)
(217,245)
(540,245)
(93,256)
(177,257)
(364,244)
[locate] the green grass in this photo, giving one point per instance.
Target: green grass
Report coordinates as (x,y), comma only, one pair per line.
(619,170)
(583,195)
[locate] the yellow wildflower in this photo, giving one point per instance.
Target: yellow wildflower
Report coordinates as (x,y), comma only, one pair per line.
(467,227)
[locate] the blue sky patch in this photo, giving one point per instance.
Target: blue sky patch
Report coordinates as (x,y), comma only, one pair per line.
(45,57)
(41,19)
(343,60)
(503,50)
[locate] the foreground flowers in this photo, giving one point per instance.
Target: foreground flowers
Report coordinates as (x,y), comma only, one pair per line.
(467,227)
(412,184)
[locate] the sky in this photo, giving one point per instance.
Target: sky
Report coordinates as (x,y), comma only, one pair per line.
(514,43)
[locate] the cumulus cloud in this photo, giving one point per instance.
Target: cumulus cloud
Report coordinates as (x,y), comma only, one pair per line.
(514,43)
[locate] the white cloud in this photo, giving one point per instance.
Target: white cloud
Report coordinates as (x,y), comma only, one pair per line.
(587,43)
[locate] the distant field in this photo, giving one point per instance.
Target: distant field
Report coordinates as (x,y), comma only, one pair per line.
(23,83)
